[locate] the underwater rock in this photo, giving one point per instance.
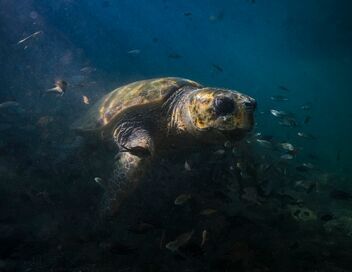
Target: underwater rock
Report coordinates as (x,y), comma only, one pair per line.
(341,225)
(340,195)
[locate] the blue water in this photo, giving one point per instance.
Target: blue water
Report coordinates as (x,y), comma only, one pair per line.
(250,46)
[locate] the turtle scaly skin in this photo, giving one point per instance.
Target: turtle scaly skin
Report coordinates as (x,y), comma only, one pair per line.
(150,118)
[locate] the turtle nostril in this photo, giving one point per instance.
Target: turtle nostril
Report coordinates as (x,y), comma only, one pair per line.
(224,106)
(250,105)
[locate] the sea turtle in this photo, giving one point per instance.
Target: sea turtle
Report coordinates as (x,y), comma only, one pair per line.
(149,118)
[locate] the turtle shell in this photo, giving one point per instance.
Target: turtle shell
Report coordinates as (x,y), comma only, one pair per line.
(134,95)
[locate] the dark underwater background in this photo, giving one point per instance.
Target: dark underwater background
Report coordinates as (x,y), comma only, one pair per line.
(296,214)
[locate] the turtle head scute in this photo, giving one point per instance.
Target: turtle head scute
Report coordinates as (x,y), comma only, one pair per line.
(217,114)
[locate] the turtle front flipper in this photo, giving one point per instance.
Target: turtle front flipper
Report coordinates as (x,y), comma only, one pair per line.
(133,160)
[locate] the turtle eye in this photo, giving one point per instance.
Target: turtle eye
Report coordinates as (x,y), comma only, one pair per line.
(223,106)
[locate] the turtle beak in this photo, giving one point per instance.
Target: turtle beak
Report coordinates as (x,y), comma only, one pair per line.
(250,105)
(246,114)
(245,119)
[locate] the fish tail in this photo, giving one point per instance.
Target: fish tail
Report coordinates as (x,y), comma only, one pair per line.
(51,90)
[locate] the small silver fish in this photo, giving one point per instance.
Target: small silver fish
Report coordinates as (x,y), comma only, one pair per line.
(134,52)
(219,152)
(9,104)
(227,144)
(283,88)
(88,69)
(85,99)
(258,134)
(308,165)
(278,98)
(306,119)
(306,107)
(180,241)
(208,211)
(30,36)
(287,146)
(300,182)
(306,135)
(307,185)
(187,166)
(264,143)
(60,87)
(286,157)
(204,238)
(217,67)
(288,122)
(98,180)
(304,167)
(174,55)
(182,199)
(263,167)
(278,113)
(217,17)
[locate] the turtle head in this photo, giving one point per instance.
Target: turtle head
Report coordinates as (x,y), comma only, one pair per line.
(218,114)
